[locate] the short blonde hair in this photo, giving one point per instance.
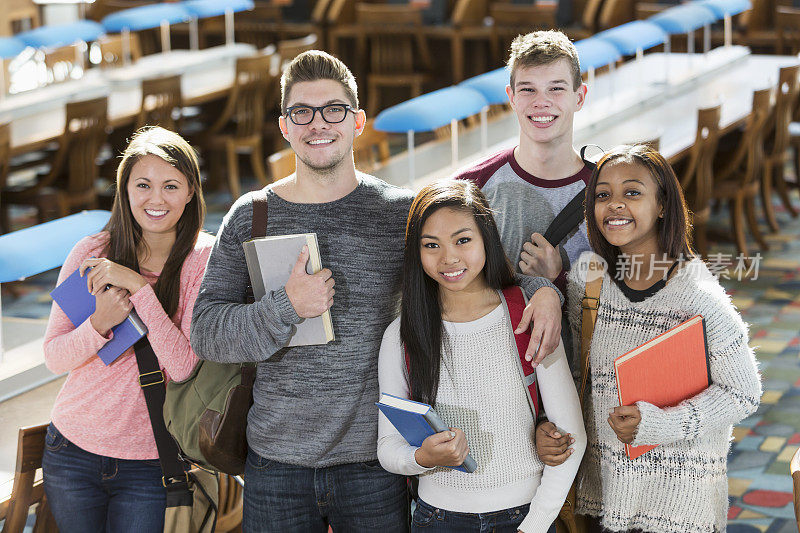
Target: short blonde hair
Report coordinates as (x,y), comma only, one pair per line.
(318,65)
(542,48)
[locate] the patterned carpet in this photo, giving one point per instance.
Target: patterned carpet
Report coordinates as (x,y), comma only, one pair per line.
(759,483)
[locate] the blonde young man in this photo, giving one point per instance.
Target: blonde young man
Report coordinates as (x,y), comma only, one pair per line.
(528,185)
(312,430)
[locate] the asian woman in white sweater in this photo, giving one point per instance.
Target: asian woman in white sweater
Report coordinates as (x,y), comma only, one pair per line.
(638,224)
(463,360)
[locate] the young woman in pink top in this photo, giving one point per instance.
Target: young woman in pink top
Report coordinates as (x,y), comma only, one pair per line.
(101,468)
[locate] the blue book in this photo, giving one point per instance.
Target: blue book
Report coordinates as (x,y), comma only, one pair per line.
(74,298)
(416,421)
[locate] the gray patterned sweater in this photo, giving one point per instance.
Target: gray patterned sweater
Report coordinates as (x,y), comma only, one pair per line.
(314,406)
(682,484)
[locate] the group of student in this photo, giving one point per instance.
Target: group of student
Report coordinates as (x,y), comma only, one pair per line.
(319,452)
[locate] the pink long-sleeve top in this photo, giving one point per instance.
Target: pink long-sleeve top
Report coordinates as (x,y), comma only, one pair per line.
(100,408)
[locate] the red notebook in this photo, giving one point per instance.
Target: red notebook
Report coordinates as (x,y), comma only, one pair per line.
(665,370)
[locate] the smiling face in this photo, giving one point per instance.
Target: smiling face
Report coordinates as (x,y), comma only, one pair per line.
(158,194)
(452,250)
(627,209)
(320,146)
(545,101)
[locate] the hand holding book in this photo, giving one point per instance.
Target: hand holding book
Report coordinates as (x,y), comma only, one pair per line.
(624,420)
(113,306)
(310,294)
(446,448)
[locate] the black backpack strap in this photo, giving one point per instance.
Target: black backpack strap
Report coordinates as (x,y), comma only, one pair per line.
(572,215)
(567,220)
(259,225)
(151,379)
(258,228)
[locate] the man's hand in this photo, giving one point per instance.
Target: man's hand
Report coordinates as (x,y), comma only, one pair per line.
(552,447)
(540,258)
(310,295)
(544,310)
(624,420)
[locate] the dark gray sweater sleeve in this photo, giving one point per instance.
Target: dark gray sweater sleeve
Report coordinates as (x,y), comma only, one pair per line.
(224,328)
(532,284)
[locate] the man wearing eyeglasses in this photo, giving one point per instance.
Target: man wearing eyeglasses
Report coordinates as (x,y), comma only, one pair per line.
(312,429)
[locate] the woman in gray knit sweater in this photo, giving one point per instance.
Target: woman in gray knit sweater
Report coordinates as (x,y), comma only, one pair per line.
(638,225)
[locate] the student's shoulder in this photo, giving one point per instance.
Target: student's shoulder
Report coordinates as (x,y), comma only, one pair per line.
(91,245)
(386,192)
(482,171)
(392,331)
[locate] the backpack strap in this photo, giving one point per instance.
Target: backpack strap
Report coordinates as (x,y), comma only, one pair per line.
(567,220)
(259,225)
(258,228)
(589,306)
(514,301)
(151,380)
(572,215)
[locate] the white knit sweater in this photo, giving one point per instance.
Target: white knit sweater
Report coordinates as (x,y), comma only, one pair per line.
(481,392)
(682,484)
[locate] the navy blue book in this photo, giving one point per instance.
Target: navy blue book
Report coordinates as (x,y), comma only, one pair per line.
(416,421)
(74,298)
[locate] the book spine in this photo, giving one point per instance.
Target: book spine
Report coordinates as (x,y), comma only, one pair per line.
(705,346)
(469,465)
(254,269)
(315,261)
(137,323)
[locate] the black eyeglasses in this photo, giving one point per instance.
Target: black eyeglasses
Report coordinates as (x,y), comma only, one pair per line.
(331,113)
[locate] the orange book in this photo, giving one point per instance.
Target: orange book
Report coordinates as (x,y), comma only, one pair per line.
(665,370)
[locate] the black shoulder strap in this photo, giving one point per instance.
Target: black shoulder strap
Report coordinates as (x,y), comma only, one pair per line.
(572,215)
(259,225)
(258,228)
(151,379)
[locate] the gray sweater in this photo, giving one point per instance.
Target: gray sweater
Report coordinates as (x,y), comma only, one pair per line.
(313,405)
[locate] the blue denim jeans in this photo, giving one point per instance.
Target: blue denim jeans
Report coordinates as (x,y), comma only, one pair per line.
(353,498)
(89,492)
(427,518)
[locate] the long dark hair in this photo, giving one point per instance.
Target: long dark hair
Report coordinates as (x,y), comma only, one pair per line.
(125,243)
(421,309)
(674,229)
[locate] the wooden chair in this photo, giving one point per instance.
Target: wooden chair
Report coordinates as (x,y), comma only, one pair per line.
(758,26)
(394,37)
(511,20)
(794,471)
(5,157)
(70,182)
(260,26)
(465,25)
(586,20)
(281,164)
(291,48)
(240,125)
(736,176)
(371,149)
(61,63)
(614,13)
(230,505)
(698,177)
(26,491)
(778,143)
(787,22)
(111,50)
(161,97)
(17,16)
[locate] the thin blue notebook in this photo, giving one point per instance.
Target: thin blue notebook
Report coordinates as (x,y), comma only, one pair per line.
(74,298)
(416,421)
